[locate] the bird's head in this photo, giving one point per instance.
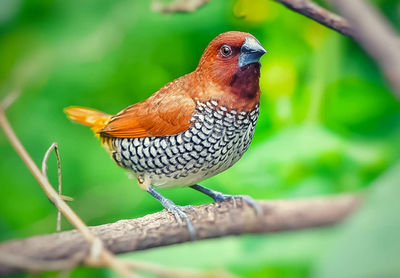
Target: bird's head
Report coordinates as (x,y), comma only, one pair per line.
(231,60)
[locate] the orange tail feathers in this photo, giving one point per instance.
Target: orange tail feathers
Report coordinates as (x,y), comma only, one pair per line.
(90,117)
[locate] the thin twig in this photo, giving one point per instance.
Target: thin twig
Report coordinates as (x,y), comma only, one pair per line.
(54,147)
(9,99)
(106,257)
(321,15)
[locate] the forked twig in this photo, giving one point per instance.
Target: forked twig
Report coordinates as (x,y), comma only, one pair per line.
(98,255)
(54,147)
(106,257)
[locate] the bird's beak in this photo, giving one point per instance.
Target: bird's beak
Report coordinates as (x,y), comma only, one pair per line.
(250,52)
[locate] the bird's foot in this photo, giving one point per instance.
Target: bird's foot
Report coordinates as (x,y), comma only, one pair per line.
(220,197)
(179,213)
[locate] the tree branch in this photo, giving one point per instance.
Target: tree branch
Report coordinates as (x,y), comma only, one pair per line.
(95,254)
(375,34)
(321,15)
(160,229)
(371,30)
(364,24)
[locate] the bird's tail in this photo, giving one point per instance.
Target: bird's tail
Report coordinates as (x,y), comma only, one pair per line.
(96,120)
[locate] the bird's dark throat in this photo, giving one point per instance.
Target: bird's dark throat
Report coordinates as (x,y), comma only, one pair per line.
(245,81)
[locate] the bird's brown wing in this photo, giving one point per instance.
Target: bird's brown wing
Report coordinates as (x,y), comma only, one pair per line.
(160,115)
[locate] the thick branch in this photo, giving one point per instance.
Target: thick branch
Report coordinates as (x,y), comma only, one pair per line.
(321,15)
(160,229)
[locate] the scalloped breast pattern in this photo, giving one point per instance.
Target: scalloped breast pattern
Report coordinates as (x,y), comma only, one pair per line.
(216,140)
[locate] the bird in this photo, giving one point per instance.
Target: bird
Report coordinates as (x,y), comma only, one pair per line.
(193,128)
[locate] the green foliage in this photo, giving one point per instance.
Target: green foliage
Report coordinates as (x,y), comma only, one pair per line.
(328,124)
(368,244)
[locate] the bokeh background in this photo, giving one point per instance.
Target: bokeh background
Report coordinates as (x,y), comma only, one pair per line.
(329,124)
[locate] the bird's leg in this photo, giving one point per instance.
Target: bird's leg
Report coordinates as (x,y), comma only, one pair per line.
(220,197)
(177,211)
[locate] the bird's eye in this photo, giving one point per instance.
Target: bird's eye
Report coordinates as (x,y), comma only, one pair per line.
(225,51)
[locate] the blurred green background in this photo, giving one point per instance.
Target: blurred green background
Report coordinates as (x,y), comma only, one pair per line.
(329,124)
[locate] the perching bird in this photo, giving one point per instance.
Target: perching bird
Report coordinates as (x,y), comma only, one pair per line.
(192,128)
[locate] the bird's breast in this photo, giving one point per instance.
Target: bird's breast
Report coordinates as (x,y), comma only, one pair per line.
(215,140)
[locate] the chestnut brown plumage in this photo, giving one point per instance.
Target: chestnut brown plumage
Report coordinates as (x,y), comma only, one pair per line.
(192,128)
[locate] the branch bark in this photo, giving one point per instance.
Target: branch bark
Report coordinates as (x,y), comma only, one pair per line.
(321,15)
(160,229)
(371,30)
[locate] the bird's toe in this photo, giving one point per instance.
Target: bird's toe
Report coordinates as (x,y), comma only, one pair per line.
(243,198)
(179,213)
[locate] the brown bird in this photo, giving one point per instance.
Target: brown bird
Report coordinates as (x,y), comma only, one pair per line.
(192,128)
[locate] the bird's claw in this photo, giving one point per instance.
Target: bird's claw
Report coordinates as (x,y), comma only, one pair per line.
(244,198)
(188,207)
(179,214)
